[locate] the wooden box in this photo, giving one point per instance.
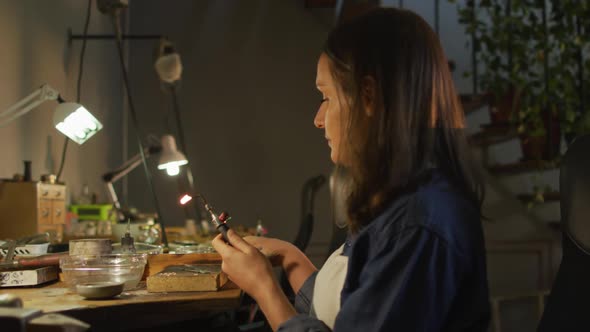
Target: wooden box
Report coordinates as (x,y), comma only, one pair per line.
(28,208)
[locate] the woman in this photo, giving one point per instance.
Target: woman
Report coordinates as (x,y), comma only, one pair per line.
(415,259)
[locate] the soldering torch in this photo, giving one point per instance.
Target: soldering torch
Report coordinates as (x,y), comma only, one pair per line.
(219,221)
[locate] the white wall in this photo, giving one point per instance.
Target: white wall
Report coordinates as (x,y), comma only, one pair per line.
(451,34)
(35,50)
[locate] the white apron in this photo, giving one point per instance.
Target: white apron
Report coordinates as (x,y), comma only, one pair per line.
(327,288)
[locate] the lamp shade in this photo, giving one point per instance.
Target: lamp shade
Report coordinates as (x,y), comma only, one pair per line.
(169,67)
(168,64)
(170,158)
(74,121)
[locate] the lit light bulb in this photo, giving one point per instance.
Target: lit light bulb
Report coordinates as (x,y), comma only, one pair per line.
(173,170)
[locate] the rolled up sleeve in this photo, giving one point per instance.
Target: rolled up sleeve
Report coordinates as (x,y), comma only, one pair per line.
(304,296)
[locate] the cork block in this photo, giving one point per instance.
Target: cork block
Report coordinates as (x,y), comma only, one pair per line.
(157,263)
(187,278)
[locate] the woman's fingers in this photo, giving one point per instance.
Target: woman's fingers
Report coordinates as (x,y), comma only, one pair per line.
(221,247)
(237,242)
(243,264)
(253,240)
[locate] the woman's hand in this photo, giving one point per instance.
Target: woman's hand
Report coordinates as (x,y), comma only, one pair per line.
(296,265)
(274,249)
(245,265)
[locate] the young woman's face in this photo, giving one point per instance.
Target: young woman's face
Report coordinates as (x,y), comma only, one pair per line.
(331,113)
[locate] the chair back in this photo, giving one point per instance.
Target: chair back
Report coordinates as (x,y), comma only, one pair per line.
(567,307)
(310,187)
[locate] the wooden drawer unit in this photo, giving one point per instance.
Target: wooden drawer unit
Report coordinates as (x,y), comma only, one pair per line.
(28,208)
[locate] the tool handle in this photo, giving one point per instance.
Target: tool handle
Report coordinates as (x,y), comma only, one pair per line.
(223,228)
(44,260)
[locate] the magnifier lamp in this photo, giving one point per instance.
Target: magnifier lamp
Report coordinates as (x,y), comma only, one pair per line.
(71,119)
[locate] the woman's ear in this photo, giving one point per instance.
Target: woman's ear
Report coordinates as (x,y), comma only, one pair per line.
(369,92)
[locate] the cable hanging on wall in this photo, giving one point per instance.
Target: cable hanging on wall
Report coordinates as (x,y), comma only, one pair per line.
(78,85)
(113,9)
(169,69)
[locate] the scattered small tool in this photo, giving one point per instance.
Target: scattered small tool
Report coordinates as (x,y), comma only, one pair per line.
(127,241)
(38,261)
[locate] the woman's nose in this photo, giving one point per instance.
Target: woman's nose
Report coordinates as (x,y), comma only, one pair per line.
(318,121)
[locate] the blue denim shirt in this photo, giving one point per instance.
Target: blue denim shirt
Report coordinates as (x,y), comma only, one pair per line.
(419,266)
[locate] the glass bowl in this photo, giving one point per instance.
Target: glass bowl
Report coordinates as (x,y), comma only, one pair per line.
(195,249)
(140,248)
(125,268)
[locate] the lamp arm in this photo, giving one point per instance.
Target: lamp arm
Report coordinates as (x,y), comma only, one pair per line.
(23,102)
(113,195)
(131,164)
(25,105)
(114,176)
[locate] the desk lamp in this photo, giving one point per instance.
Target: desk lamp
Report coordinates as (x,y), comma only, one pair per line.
(169,69)
(170,160)
(71,119)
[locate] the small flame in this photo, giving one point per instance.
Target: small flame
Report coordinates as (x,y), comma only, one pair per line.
(185,199)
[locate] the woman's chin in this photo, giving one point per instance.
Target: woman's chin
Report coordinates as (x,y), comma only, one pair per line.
(334,157)
(337,160)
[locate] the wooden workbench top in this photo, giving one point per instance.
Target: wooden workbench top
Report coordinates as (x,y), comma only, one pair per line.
(57,297)
(136,308)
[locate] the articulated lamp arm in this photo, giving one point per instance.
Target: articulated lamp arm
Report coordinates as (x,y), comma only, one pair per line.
(25,105)
(71,119)
(114,176)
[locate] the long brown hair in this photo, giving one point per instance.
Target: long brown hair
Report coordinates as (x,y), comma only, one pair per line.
(418,121)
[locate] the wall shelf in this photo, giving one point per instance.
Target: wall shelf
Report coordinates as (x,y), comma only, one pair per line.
(554,225)
(523,167)
(493,134)
(548,197)
(472,103)
(320,3)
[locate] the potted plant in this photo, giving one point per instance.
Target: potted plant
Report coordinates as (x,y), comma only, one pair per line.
(537,120)
(539,193)
(504,58)
(561,46)
(530,74)
(538,128)
(570,66)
